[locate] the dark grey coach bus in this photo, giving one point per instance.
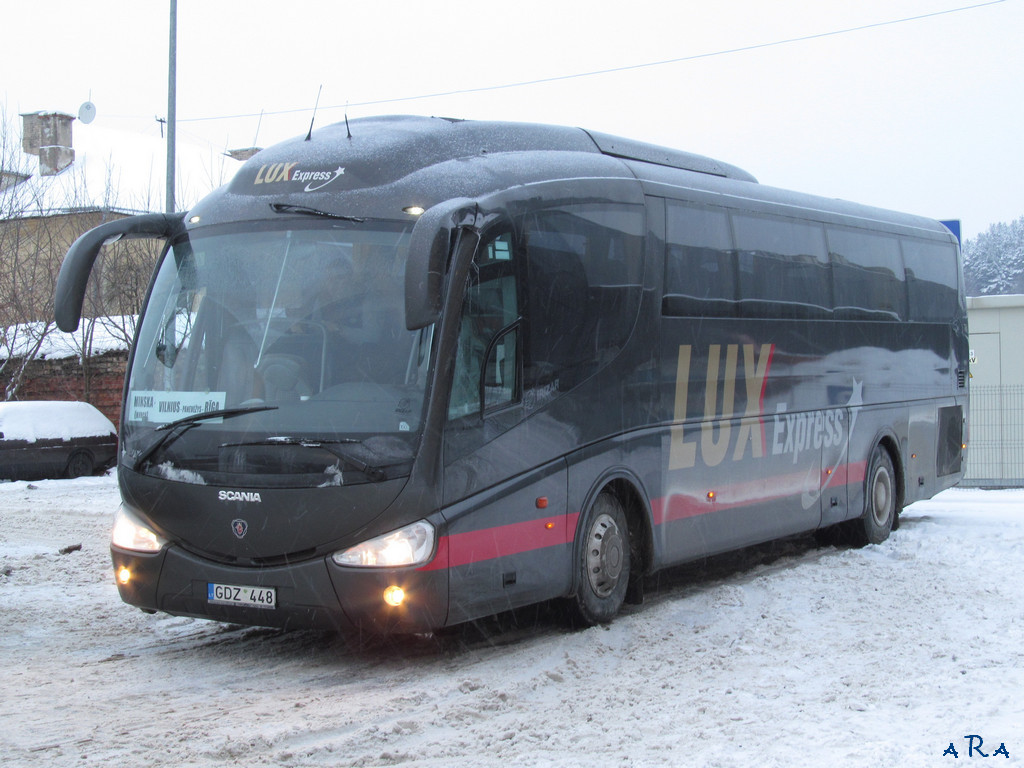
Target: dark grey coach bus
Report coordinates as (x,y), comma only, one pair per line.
(410,372)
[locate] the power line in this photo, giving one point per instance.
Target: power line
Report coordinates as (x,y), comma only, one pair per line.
(612,70)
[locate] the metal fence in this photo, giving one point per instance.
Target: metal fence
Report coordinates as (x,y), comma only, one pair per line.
(995,452)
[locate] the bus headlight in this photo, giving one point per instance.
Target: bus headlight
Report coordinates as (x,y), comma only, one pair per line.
(411,545)
(130,533)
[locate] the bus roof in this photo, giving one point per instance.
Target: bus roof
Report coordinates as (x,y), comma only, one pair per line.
(385,166)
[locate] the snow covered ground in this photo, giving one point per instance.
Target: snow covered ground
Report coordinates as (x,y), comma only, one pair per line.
(790,655)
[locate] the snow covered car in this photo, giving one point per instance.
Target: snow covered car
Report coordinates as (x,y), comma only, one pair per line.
(40,439)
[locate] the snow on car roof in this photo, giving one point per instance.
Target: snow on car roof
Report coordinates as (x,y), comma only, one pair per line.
(52,420)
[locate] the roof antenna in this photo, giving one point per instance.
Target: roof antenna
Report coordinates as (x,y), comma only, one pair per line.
(347,129)
(309,135)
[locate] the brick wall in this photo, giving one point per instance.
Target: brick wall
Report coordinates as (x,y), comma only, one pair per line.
(64,380)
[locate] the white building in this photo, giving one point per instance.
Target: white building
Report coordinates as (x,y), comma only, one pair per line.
(996,425)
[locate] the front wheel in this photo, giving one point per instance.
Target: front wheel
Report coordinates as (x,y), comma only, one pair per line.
(603,562)
(79,465)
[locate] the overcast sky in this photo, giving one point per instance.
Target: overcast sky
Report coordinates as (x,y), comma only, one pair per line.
(924,116)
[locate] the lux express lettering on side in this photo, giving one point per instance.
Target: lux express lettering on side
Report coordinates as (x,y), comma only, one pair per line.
(798,432)
(714,443)
(792,433)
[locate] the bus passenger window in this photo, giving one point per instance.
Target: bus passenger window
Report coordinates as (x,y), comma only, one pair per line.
(867,275)
(932,280)
(585,271)
(700,265)
(489,309)
(783,267)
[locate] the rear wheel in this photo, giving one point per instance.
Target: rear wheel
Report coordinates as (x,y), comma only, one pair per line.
(879,500)
(603,563)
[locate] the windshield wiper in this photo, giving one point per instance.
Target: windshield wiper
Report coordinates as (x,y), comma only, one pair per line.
(306,211)
(374,473)
(172,430)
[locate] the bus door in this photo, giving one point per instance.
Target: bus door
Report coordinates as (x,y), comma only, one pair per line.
(505,502)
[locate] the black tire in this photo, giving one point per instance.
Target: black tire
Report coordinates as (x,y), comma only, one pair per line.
(79,464)
(880,500)
(603,562)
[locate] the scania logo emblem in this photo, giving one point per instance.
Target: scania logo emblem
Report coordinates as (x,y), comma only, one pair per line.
(240,527)
(240,496)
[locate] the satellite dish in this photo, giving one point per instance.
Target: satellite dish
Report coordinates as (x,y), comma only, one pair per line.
(87,112)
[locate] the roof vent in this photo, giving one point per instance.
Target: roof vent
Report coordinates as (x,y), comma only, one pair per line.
(628,149)
(48,135)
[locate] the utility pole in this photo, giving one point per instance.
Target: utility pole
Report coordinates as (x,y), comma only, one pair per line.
(172,66)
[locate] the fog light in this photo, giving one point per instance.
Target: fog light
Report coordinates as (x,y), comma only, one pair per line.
(394,596)
(123,575)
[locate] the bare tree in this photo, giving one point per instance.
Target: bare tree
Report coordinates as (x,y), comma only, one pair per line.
(24,279)
(39,219)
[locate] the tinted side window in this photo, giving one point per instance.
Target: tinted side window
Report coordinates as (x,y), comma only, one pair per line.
(585,278)
(867,274)
(700,265)
(486,359)
(932,279)
(782,266)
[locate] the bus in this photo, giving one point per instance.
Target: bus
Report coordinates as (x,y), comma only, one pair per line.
(407,372)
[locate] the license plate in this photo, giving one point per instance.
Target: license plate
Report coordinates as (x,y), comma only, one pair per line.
(249,597)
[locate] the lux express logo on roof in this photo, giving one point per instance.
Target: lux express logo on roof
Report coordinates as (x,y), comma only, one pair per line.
(275,173)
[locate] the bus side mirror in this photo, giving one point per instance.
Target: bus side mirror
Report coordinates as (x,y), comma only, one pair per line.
(74,272)
(429,246)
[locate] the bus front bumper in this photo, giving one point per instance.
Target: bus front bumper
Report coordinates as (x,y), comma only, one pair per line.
(315,594)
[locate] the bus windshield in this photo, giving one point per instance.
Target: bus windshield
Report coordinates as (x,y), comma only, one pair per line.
(298,335)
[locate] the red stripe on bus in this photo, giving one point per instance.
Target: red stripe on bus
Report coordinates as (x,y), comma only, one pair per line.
(681,506)
(846,474)
(501,541)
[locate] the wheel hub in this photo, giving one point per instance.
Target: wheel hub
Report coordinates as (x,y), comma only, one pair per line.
(604,555)
(881,495)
